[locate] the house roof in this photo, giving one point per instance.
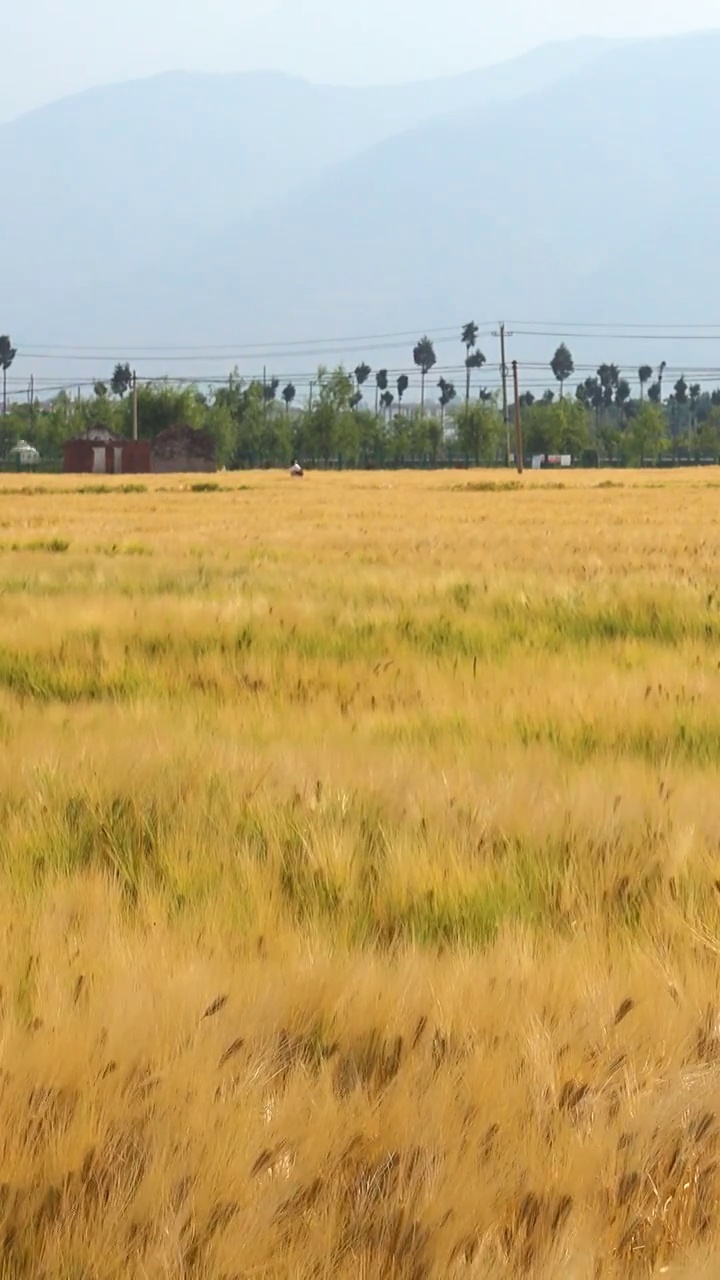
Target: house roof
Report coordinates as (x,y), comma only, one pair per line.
(98,435)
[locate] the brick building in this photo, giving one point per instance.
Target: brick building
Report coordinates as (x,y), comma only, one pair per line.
(100,452)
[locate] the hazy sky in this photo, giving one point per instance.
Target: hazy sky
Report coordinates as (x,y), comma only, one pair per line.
(52,48)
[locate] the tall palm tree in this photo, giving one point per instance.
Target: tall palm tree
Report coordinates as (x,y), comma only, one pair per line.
(403,383)
(288,395)
(609,376)
(447,395)
(387,400)
(469,337)
(695,395)
(644,375)
(362,373)
(425,358)
(622,397)
(681,390)
(661,370)
(7,354)
(475,360)
(563,366)
(381,384)
(591,394)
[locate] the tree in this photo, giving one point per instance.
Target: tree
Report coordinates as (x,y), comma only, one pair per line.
(330,420)
(644,375)
(695,396)
(548,396)
(447,395)
(387,400)
(161,405)
(708,441)
(270,390)
(655,393)
(563,366)
(121,380)
(681,390)
(7,354)
(473,359)
(425,358)
(362,373)
(288,395)
(469,336)
(678,402)
(478,427)
(100,390)
(645,436)
(403,383)
(608,377)
(555,427)
(381,384)
(661,371)
(622,393)
(591,394)
(573,427)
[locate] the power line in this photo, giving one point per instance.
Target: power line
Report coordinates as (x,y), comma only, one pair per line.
(256,347)
(620,337)
(611,324)
(535,328)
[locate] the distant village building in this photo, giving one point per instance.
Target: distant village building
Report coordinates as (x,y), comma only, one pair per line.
(182,449)
(100,452)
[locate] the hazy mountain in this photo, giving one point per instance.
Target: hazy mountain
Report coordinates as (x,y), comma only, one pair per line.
(593,198)
(127,175)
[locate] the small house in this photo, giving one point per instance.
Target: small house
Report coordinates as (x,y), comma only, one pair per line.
(100,452)
(182,449)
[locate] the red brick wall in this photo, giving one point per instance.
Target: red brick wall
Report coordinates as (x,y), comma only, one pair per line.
(136,457)
(79,457)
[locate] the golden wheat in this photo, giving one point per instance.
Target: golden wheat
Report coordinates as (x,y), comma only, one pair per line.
(360,877)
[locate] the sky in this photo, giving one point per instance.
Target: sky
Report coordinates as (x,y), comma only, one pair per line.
(52,49)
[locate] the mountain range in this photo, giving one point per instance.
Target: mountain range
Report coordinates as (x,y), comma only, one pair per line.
(572,185)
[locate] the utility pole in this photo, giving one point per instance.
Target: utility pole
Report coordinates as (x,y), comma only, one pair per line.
(310,400)
(502,334)
(134,406)
(518,427)
(31,400)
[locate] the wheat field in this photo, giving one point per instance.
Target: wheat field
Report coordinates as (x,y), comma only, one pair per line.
(360,877)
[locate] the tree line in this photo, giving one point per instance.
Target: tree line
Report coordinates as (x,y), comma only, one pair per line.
(361,418)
